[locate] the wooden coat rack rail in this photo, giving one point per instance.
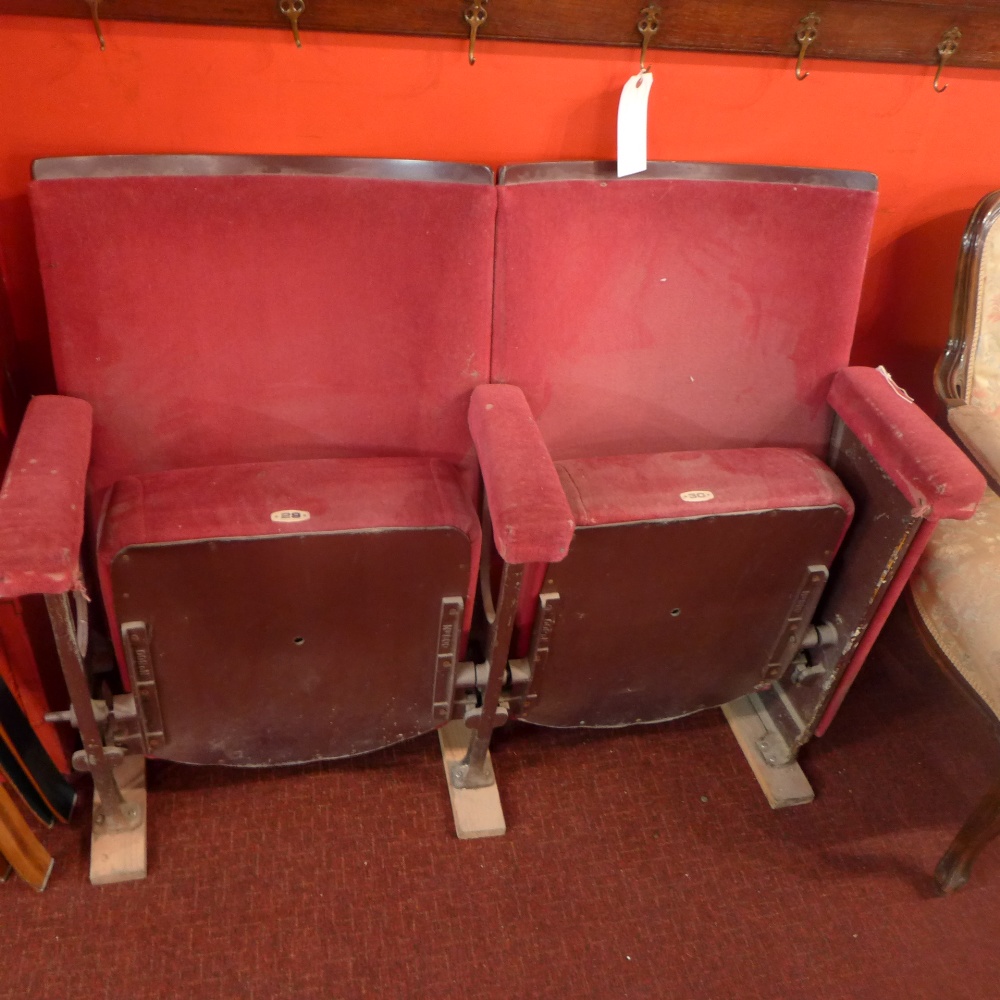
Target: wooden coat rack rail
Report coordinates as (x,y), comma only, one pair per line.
(912,31)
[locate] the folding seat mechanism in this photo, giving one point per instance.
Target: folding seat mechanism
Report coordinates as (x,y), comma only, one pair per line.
(138,656)
(95,720)
(799,635)
(128,723)
(548,609)
(798,656)
(475,769)
(446,680)
(816,637)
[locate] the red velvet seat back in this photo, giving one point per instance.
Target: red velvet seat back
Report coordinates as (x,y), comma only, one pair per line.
(277,309)
(693,307)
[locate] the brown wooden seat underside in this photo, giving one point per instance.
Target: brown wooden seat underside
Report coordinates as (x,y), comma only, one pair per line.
(658,619)
(297,647)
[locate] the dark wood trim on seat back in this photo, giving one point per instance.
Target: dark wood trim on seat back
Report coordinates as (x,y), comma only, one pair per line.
(231,165)
(606,170)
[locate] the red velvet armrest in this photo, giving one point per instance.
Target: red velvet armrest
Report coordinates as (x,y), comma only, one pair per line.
(532,521)
(928,468)
(41,502)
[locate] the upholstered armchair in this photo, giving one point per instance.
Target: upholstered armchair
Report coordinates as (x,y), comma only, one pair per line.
(956,588)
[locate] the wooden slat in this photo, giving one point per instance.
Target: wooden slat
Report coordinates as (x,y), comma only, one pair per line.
(26,750)
(477,811)
(876,30)
(20,847)
(784,786)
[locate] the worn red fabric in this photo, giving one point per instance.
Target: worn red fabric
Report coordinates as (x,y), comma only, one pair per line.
(236,501)
(531,518)
(232,319)
(42,499)
(623,488)
(929,469)
(660,315)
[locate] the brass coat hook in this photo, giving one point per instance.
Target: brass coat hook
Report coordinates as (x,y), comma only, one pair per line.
(95,15)
(648,25)
(807,34)
(947,47)
(292,9)
(475,16)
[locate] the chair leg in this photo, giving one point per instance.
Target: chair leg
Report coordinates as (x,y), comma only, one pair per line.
(118,837)
(21,847)
(980,828)
(475,769)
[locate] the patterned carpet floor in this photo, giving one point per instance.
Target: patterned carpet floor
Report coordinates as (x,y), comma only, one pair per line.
(638,863)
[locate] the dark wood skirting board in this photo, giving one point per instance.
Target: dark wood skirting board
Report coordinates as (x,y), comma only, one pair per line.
(876,30)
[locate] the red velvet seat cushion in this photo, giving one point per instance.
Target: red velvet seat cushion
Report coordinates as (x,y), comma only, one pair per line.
(237,501)
(622,488)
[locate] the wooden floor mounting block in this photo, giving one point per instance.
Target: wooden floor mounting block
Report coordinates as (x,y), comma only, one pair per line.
(784,786)
(477,811)
(121,857)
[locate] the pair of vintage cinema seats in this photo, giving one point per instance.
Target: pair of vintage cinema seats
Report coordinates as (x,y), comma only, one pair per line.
(310,402)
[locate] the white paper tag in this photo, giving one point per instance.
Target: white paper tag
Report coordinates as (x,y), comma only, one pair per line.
(632,114)
(896,387)
(697,496)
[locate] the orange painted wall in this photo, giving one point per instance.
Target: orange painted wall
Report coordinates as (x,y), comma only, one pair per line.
(184,89)
(161,88)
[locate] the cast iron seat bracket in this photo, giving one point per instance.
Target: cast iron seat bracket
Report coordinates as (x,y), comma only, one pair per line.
(531,523)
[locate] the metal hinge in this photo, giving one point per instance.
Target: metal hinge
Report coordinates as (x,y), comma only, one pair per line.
(139,657)
(522,674)
(118,721)
(449,634)
(797,622)
(470,678)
